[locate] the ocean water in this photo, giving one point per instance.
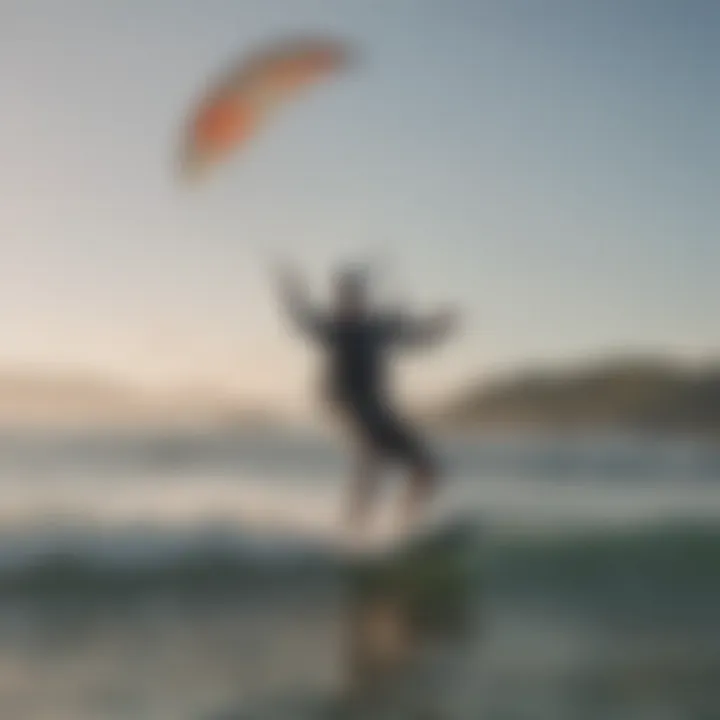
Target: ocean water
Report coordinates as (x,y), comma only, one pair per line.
(203,576)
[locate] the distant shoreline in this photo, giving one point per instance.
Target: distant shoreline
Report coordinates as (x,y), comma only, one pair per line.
(654,396)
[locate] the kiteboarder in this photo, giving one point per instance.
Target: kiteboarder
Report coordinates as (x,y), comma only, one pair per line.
(358,342)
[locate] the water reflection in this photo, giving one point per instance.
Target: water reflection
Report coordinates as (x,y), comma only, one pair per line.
(409,618)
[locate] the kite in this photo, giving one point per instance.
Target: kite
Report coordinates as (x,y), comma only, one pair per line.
(252,91)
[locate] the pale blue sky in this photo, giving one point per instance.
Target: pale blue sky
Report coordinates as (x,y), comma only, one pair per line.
(552,166)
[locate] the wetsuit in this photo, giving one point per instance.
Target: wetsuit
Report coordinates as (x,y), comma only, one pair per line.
(357,352)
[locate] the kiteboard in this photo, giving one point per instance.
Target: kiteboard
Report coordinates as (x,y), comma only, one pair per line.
(431,572)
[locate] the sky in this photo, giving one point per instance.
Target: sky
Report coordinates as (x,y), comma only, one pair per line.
(551,168)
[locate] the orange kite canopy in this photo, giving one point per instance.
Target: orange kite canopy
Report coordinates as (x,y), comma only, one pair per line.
(238,106)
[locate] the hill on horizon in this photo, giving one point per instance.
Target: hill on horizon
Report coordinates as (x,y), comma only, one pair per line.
(650,394)
(31,397)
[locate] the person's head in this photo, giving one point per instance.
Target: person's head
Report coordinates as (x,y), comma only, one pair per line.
(350,293)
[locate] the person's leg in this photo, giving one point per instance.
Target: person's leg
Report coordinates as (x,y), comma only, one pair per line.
(404,444)
(363,488)
(422,485)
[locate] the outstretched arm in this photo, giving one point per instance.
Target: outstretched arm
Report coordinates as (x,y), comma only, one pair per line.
(294,298)
(429,330)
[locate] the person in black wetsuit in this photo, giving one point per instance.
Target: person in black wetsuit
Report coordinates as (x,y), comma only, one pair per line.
(358,342)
